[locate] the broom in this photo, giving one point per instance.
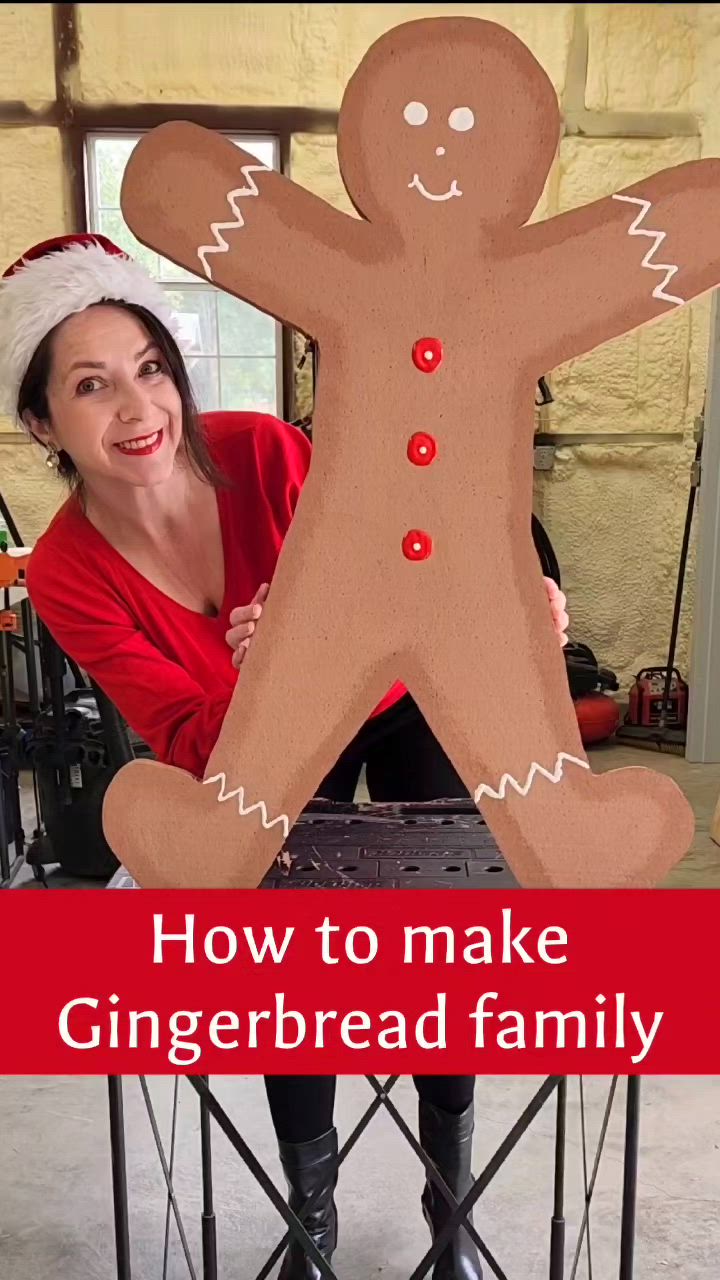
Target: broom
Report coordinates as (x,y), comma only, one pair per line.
(661,736)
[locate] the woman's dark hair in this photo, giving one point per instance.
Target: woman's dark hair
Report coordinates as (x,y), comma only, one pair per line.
(33,396)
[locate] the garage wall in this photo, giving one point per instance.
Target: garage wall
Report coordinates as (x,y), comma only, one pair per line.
(639,85)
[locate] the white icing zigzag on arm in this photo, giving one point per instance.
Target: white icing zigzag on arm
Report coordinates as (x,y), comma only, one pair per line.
(243,810)
(657,237)
(221,245)
(522,789)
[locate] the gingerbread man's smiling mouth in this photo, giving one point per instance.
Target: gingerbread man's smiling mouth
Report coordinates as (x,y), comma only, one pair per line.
(430,195)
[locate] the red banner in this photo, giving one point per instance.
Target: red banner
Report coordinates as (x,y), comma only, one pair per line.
(353,982)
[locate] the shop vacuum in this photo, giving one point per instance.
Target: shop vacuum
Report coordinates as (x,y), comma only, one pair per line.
(62,731)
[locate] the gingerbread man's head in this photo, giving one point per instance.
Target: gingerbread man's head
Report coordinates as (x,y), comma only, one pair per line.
(447,126)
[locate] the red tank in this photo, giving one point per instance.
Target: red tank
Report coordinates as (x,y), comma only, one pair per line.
(598,717)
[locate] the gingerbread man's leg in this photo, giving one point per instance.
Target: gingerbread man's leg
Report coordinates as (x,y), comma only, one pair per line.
(510,729)
(310,679)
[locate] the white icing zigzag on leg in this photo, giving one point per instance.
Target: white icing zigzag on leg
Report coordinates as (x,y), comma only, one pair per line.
(221,245)
(522,789)
(243,810)
(657,237)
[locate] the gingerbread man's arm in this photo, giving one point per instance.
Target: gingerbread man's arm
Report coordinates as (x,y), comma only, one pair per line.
(597,272)
(193,196)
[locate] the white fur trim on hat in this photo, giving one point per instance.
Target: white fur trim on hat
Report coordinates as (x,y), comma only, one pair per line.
(45,291)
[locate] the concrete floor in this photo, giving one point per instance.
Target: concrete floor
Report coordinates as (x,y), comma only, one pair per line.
(55,1193)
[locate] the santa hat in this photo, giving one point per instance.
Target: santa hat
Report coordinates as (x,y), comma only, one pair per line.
(53,281)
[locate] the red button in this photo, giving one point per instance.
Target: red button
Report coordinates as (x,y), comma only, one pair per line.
(421,449)
(427,354)
(417,545)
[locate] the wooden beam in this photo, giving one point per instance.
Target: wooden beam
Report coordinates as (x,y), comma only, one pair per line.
(119,117)
(579,122)
(67,54)
(136,117)
(18,115)
(630,124)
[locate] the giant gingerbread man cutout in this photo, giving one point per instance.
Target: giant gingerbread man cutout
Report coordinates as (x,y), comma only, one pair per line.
(410,556)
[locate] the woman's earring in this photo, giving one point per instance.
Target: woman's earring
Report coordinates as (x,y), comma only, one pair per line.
(53,458)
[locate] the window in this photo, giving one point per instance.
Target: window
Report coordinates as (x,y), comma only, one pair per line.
(233,352)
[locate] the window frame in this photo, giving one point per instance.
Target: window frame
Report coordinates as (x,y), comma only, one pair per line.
(284,391)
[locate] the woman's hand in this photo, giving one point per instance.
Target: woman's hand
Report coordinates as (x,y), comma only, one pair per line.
(242,624)
(558,604)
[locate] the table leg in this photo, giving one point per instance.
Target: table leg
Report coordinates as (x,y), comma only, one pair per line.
(209,1237)
(632,1134)
(119,1178)
(557,1228)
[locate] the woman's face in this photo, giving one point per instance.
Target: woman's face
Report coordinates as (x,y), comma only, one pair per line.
(114,407)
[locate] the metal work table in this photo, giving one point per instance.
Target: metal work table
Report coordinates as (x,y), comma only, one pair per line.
(443,845)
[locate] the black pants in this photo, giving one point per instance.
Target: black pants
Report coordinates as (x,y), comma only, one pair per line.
(404,763)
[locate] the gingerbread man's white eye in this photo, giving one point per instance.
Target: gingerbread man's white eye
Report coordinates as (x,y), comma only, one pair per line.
(461,119)
(416,113)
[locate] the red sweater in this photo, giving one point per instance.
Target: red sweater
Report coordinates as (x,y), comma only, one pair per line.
(168,669)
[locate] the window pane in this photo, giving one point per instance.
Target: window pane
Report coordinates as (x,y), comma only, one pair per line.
(248,384)
(110,223)
(169,273)
(213,324)
(197,309)
(111,156)
(204,378)
(263,148)
(243,330)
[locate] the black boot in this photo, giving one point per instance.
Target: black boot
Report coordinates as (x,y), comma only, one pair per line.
(308,1166)
(447,1140)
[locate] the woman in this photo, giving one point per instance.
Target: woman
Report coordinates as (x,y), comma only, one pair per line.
(152,577)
